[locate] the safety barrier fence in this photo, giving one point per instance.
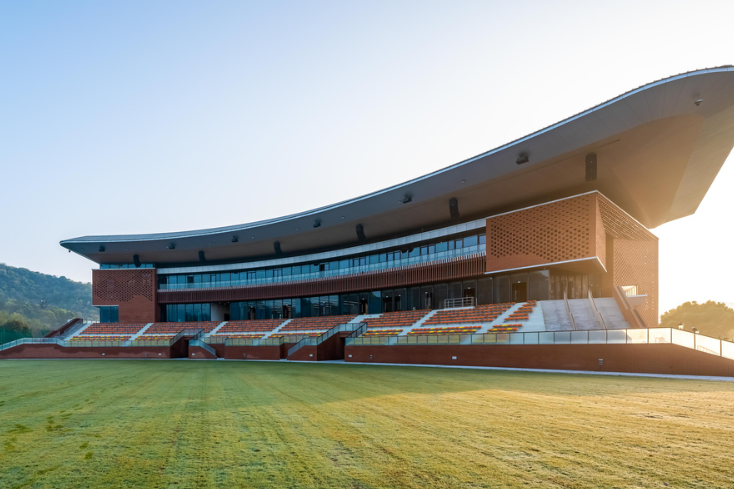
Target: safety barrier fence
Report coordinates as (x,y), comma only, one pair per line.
(317,340)
(198,340)
(672,336)
(99,343)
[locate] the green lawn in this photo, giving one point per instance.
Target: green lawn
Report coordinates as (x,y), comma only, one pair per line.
(116,423)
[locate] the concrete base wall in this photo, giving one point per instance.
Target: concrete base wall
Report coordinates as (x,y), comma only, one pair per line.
(198,353)
(252,352)
(659,359)
(56,351)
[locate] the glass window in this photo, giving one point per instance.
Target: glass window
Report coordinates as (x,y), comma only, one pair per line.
(454,290)
(440,293)
(383,257)
(197,278)
(431,249)
(400,300)
(375,302)
(206,278)
(344,264)
(296,270)
(484,290)
(234,276)
(206,312)
(424,250)
(443,246)
(470,241)
(482,239)
(458,243)
(374,259)
(414,252)
(286,271)
(189,314)
(189,279)
(277,272)
(197,312)
(260,273)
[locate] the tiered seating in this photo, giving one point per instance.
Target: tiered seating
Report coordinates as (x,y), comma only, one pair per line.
(383,332)
(253,335)
(248,326)
(100,338)
(505,328)
(158,337)
(480,314)
(522,313)
(449,330)
(398,319)
(113,328)
(323,323)
(288,337)
(175,328)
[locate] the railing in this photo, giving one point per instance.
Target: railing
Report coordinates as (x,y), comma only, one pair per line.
(254,341)
(629,290)
(599,318)
(672,336)
(198,340)
(31,341)
(372,267)
(568,310)
(63,329)
(459,302)
(117,343)
(316,340)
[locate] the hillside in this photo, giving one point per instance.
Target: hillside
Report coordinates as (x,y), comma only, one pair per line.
(43,302)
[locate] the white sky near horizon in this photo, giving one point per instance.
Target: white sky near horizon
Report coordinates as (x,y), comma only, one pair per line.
(139,117)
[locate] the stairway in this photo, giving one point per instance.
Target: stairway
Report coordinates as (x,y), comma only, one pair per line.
(141,332)
(277,330)
(555,316)
(609,310)
(583,314)
(215,330)
(76,331)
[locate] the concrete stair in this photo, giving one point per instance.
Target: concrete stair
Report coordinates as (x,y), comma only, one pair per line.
(277,330)
(216,330)
(77,332)
(609,310)
(555,316)
(584,315)
(141,332)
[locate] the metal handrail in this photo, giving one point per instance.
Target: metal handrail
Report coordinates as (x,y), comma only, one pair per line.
(316,340)
(568,311)
(459,302)
(198,340)
(599,318)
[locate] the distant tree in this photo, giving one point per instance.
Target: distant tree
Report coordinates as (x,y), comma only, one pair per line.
(43,303)
(710,318)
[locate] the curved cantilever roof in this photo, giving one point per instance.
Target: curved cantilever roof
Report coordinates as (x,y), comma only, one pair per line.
(658,152)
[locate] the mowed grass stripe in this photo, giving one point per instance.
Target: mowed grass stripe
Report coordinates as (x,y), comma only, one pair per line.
(240,424)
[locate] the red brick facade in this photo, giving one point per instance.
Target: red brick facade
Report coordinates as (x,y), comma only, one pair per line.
(588,226)
(132,290)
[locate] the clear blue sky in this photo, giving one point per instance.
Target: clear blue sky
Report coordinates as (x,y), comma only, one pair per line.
(136,117)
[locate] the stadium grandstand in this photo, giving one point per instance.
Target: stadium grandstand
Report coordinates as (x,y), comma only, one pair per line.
(535,254)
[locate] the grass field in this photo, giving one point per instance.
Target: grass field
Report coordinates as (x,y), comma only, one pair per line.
(187,424)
